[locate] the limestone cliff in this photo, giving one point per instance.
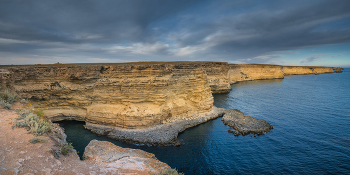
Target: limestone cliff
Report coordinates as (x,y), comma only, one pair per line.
(130,95)
(217,74)
(246,72)
(302,70)
(134,95)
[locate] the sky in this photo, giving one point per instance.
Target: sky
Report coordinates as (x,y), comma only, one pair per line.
(297,32)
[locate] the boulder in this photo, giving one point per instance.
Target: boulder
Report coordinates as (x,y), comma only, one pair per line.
(117,159)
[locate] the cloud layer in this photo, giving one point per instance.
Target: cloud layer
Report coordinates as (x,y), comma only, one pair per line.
(117,31)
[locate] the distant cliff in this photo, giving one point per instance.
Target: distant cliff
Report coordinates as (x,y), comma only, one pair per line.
(246,72)
(302,70)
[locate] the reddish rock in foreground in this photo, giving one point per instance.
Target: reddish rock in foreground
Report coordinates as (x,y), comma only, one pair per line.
(115,158)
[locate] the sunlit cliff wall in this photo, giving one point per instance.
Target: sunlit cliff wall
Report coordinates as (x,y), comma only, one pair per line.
(246,72)
(302,70)
(217,74)
(133,95)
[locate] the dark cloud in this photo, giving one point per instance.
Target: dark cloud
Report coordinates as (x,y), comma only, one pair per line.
(137,30)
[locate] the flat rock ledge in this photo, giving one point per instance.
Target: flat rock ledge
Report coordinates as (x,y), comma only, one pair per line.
(161,135)
(166,134)
(244,124)
(117,159)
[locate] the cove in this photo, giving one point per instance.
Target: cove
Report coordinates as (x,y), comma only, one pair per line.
(311,135)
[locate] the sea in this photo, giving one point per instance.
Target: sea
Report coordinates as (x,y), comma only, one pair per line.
(310,115)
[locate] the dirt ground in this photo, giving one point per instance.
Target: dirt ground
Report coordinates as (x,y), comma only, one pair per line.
(19,156)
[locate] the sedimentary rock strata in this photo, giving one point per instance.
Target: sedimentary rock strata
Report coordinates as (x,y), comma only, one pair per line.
(146,102)
(217,75)
(245,124)
(124,95)
(303,70)
(165,134)
(247,72)
(116,159)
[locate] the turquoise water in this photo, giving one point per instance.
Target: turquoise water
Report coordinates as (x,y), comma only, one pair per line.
(311,135)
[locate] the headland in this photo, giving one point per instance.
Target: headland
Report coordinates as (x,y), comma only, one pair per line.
(142,102)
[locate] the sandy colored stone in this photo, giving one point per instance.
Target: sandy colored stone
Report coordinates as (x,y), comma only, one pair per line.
(115,158)
(133,95)
(302,70)
(247,72)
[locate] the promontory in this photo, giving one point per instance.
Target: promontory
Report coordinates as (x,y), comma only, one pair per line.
(146,102)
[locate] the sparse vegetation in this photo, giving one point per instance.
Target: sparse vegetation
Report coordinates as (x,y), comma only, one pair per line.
(66,148)
(40,113)
(37,140)
(23,113)
(7,98)
(5,105)
(36,125)
(35,121)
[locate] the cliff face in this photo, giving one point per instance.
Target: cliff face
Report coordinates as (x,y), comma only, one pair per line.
(246,72)
(217,74)
(302,70)
(134,95)
(124,95)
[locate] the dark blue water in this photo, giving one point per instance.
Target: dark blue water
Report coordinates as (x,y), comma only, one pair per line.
(311,135)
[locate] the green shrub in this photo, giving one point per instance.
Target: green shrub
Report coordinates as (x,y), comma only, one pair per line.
(32,121)
(66,148)
(5,104)
(37,126)
(37,140)
(9,96)
(22,113)
(43,127)
(21,124)
(40,113)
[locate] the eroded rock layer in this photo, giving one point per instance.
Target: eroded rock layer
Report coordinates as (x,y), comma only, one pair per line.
(132,95)
(165,134)
(246,72)
(217,74)
(303,70)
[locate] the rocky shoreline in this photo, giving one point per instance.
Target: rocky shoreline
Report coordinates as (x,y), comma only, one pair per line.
(162,134)
(166,134)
